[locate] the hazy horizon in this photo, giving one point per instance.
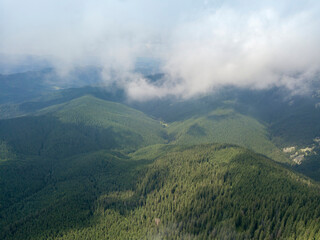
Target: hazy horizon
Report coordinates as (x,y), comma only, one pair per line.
(202,45)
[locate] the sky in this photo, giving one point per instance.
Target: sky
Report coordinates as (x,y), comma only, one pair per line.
(202,45)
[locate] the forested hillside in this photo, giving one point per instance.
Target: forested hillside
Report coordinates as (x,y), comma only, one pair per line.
(199,192)
(82,125)
(88,168)
(226,126)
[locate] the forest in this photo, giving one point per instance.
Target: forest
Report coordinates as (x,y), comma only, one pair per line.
(96,169)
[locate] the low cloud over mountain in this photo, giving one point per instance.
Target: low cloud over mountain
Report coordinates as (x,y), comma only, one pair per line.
(202,45)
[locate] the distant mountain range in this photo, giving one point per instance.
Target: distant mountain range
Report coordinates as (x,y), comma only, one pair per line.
(79,161)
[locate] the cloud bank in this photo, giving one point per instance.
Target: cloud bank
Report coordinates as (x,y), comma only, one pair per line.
(203,45)
(259,49)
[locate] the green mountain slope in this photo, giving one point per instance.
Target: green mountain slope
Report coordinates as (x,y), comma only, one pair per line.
(36,151)
(226,126)
(87,168)
(91,111)
(211,192)
(199,192)
(82,125)
(40,198)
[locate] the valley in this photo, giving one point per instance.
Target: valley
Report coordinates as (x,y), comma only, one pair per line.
(91,168)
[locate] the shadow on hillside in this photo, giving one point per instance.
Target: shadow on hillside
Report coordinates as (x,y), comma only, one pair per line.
(47,136)
(69,200)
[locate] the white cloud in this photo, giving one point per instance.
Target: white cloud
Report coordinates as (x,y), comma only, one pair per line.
(256,50)
(203,44)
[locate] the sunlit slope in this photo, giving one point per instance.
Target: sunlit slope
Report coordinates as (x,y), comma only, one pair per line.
(91,111)
(207,192)
(225,126)
(81,125)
